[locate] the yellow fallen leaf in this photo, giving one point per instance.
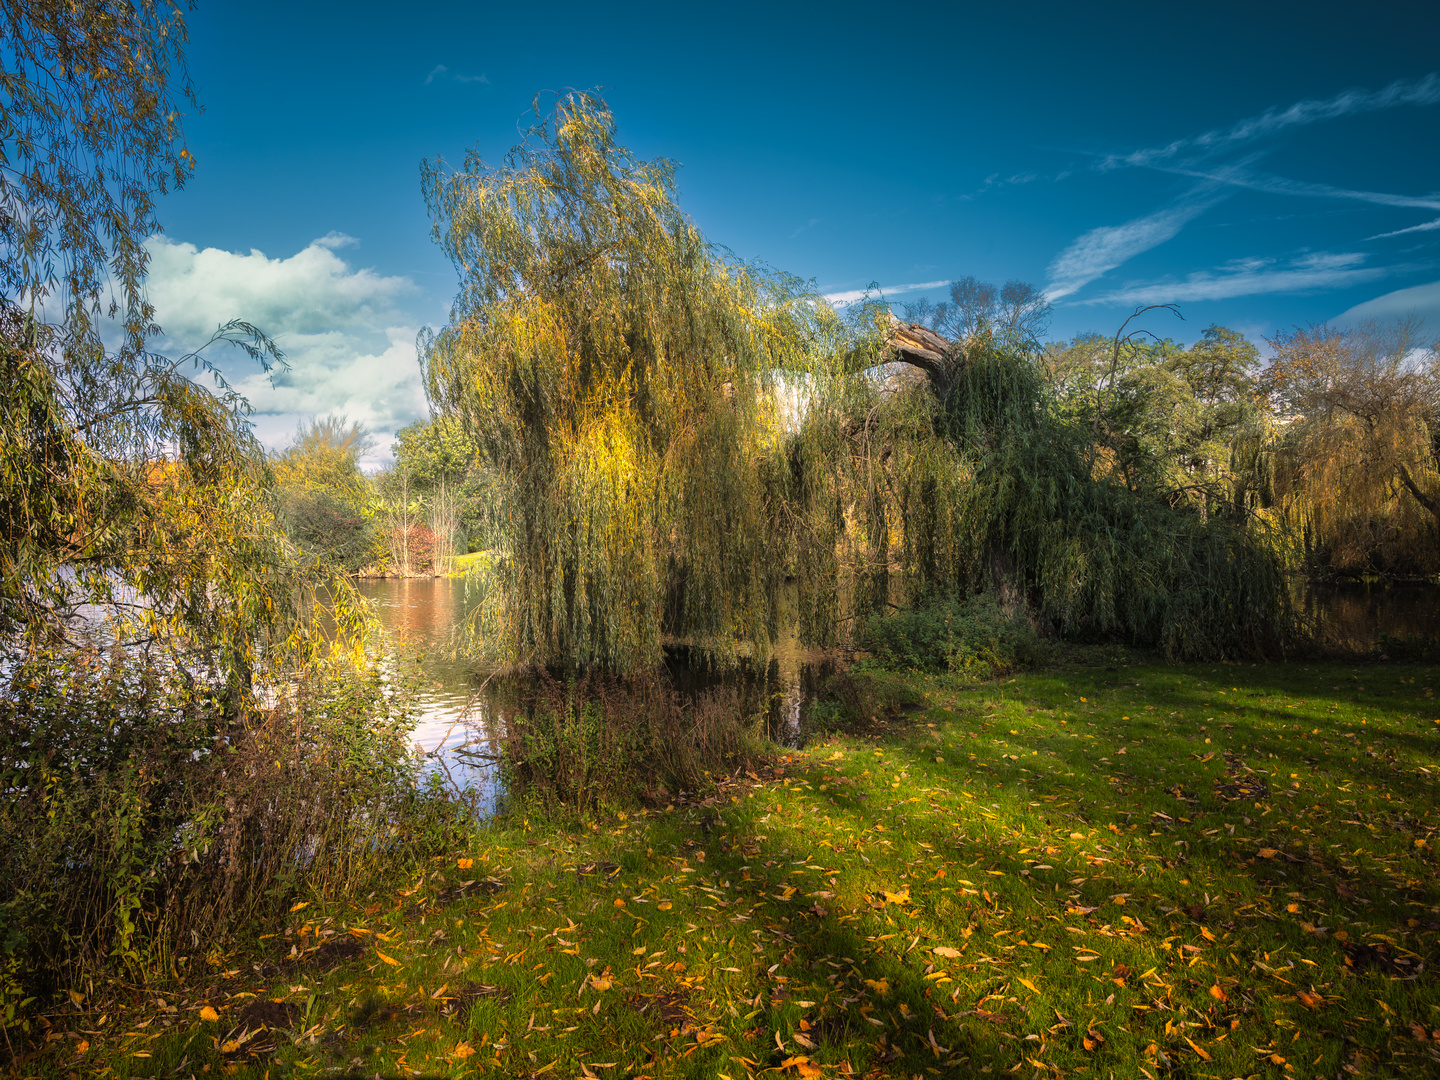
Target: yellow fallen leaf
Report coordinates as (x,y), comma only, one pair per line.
(229,1046)
(898,898)
(388,959)
(1028,985)
(880,986)
(209,1015)
(798,1059)
(664,905)
(1218,992)
(1267,853)
(462,1050)
(1206,934)
(1276,1059)
(600,982)
(464,864)
(301,906)
(1198,1049)
(945,951)
(1310,1001)
(619,902)
(82,1046)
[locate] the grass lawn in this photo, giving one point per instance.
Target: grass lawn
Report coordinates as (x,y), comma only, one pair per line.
(1144,870)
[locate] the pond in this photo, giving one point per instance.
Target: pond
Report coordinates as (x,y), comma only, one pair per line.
(1357,614)
(461,702)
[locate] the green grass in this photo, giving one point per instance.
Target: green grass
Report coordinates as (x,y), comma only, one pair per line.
(1198,871)
(460,565)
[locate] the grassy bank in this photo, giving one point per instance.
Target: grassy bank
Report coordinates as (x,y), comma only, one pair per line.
(1199,871)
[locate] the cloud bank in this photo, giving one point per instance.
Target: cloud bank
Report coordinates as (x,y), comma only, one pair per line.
(349,342)
(1422,300)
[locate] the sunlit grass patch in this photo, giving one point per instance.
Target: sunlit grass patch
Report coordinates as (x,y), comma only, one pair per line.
(1052,875)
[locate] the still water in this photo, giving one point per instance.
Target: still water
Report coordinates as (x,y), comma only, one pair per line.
(461,702)
(1355,615)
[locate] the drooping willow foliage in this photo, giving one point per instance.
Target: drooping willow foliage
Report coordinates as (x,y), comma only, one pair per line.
(675,434)
(626,380)
(1356,463)
(981,484)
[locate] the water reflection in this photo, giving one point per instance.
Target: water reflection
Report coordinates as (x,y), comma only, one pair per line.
(461,703)
(459,723)
(1355,615)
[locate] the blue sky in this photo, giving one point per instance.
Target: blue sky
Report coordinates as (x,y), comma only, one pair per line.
(1259,164)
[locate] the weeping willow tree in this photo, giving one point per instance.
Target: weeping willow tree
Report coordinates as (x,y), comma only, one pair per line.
(1357,464)
(968,477)
(631,386)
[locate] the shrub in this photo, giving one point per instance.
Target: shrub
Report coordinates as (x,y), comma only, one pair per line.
(975,637)
(603,742)
(142,819)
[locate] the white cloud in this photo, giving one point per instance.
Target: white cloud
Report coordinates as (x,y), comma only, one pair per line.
(1424,91)
(440,71)
(847,297)
(1423,227)
(1251,277)
(1101,250)
(349,342)
(1422,300)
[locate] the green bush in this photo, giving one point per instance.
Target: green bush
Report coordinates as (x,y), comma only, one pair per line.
(144,819)
(975,637)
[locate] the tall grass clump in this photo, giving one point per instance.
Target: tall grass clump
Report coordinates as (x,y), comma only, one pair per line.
(602,742)
(144,821)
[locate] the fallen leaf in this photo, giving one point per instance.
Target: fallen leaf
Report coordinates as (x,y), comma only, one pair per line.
(76,997)
(462,1050)
(898,898)
(880,986)
(946,952)
(388,959)
(464,864)
(1218,992)
(1267,853)
(209,1014)
(1198,1049)
(301,906)
(1028,985)
(1310,1001)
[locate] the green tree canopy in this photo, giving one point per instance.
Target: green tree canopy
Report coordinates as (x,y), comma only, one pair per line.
(324,498)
